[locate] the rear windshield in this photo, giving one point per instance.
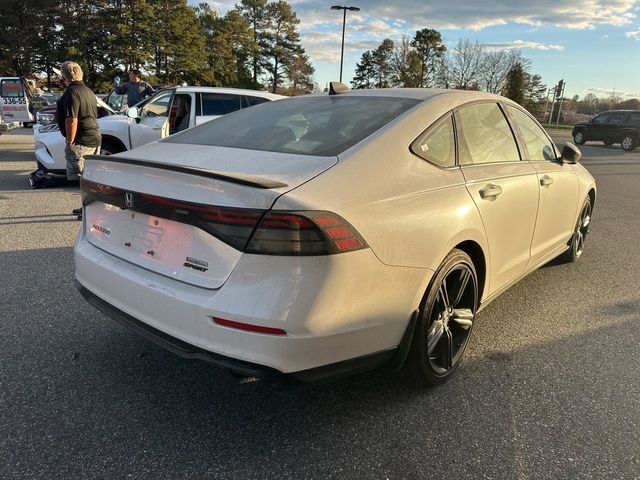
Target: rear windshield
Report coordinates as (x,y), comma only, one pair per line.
(323,126)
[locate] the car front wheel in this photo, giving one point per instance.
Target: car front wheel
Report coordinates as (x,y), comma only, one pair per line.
(578,138)
(446,319)
(576,244)
(629,142)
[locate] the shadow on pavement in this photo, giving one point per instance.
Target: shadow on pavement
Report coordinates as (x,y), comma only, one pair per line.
(83,397)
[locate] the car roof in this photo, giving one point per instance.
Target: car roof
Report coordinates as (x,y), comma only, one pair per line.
(236,91)
(618,111)
(455,96)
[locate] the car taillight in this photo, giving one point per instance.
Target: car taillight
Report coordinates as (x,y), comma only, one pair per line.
(304,233)
(256,231)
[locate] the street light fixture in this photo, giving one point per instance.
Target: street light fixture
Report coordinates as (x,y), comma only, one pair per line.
(344,21)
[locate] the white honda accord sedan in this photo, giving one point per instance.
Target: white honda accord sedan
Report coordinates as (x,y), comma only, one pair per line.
(322,235)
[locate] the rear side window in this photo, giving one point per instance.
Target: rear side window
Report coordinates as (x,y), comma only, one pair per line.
(617,118)
(251,101)
(484,136)
(634,118)
(437,144)
(322,125)
(219,103)
(536,141)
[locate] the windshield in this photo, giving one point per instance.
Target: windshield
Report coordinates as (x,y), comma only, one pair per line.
(323,126)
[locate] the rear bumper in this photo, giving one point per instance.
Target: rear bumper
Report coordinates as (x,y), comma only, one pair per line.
(248,369)
(333,322)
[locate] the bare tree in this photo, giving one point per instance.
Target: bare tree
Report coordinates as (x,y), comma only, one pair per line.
(465,65)
(494,71)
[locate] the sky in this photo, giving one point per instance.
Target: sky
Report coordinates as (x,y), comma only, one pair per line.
(593,45)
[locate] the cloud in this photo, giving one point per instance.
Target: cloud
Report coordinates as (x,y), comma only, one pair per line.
(612,92)
(462,14)
(521,44)
(573,14)
(321,28)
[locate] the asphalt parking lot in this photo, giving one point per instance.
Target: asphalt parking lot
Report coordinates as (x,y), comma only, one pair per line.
(550,388)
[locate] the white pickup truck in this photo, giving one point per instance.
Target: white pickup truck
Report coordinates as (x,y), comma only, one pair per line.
(168,111)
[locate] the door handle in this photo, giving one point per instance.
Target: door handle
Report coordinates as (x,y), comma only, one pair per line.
(546,181)
(490,191)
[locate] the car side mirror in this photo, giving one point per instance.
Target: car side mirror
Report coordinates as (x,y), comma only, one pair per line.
(133,112)
(570,153)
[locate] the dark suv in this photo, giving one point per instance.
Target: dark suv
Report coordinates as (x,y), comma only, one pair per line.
(615,126)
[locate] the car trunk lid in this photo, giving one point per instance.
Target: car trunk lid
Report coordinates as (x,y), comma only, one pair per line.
(188,220)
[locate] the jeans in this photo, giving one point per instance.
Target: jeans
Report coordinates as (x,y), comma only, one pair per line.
(74,154)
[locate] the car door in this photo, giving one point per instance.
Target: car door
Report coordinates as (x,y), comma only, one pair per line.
(597,128)
(213,105)
(152,122)
(558,185)
(14,101)
(504,188)
(613,131)
(181,115)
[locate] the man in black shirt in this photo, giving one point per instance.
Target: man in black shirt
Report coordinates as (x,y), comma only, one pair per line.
(77,113)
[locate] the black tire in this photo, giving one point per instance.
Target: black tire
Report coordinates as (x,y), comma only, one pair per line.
(629,142)
(579,137)
(580,232)
(110,148)
(446,318)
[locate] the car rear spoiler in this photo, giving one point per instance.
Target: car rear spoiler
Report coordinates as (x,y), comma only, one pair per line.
(232,177)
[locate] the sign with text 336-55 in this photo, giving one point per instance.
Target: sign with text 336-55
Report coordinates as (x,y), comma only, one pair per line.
(13,102)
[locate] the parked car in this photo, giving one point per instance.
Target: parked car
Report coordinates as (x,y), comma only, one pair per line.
(116,101)
(615,126)
(165,113)
(47,114)
(325,234)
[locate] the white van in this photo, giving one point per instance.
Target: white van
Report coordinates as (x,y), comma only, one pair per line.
(14,103)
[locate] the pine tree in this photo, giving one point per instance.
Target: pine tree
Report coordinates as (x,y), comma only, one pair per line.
(430,48)
(382,60)
(300,73)
(131,40)
(516,84)
(364,76)
(228,46)
(19,37)
(282,41)
(180,42)
(255,12)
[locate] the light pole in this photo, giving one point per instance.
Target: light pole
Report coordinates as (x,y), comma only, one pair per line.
(344,21)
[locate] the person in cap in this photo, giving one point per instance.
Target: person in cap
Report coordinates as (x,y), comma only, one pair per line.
(136,88)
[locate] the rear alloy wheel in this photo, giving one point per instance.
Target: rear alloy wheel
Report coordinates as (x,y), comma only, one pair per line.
(629,142)
(578,138)
(445,323)
(576,244)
